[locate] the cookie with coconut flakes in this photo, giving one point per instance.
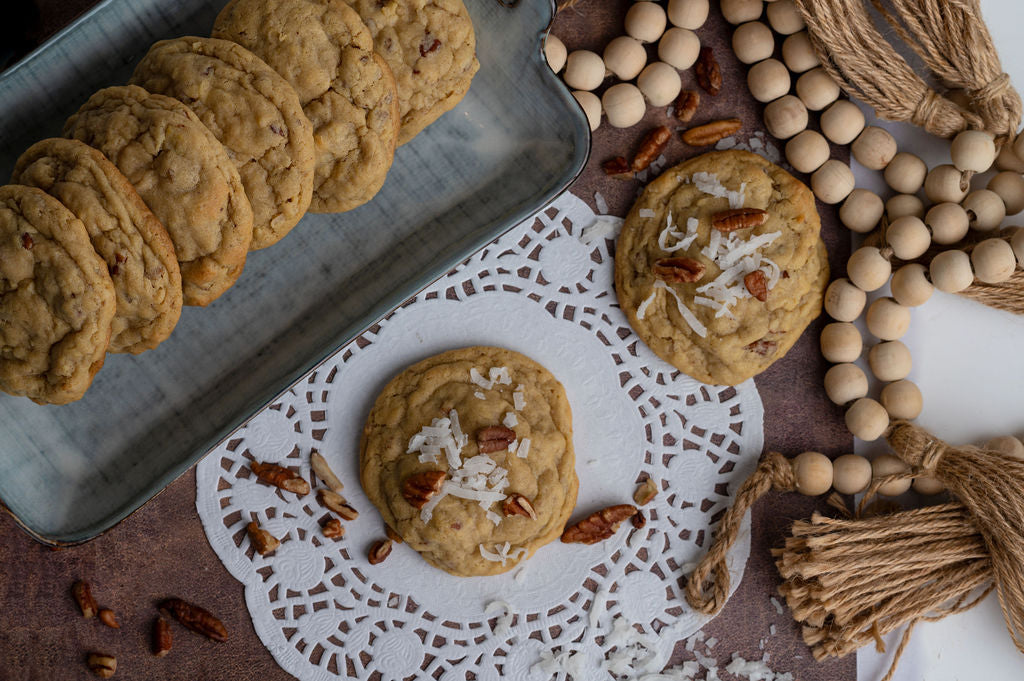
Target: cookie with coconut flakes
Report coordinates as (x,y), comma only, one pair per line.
(447,423)
(717,292)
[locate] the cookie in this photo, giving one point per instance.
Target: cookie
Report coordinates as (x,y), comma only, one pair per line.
(430,47)
(347,91)
(496,427)
(56,299)
(255,114)
(136,248)
(721,303)
(182,173)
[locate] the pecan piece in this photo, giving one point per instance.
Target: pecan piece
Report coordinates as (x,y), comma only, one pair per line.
(279,476)
(618,168)
(678,270)
(709,133)
(494,438)
(323,471)
(102,665)
(333,529)
(380,551)
(83,596)
(261,540)
(109,618)
(645,492)
(686,105)
(738,218)
(762,347)
(392,535)
(195,618)
(426,49)
(338,504)
(708,72)
(639,521)
(651,146)
(27,243)
(162,638)
(599,525)
(418,488)
(757,285)
(517,504)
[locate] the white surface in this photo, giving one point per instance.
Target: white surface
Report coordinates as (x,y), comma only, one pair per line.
(970,368)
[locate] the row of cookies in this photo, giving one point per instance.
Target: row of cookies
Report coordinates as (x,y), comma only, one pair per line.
(218,146)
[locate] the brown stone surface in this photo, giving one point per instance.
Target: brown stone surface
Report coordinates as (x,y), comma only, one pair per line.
(161,550)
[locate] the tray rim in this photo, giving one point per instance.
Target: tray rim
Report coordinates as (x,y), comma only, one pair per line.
(392,302)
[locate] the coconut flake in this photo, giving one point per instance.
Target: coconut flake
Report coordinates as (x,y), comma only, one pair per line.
(502,553)
(494,517)
(510,420)
(646,213)
(499,375)
(602,205)
(687,315)
(479,395)
(478,378)
(778,606)
(601,228)
(524,448)
(519,398)
(641,311)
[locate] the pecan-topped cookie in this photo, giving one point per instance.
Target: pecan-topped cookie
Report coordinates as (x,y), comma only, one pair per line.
(468,456)
(720,266)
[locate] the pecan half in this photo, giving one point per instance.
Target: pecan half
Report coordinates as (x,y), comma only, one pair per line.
(686,105)
(392,535)
(709,133)
(738,218)
(708,72)
(380,551)
(338,504)
(639,521)
(418,488)
(645,492)
(651,146)
(494,438)
(618,168)
(109,618)
(757,285)
(333,529)
(762,347)
(279,476)
(83,596)
(517,504)
(678,270)
(162,638)
(27,243)
(323,471)
(195,618)
(599,525)
(261,540)
(102,665)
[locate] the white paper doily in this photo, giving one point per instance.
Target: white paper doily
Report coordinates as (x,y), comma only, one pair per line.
(544,289)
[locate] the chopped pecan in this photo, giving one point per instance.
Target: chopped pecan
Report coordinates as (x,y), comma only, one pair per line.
(380,551)
(261,540)
(678,270)
(324,472)
(762,347)
(83,596)
(338,504)
(686,105)
(195,618)
(517,504)
(639,521)
(599,525)
(757,285)
(418,488)
(494,438)
(426,48)
(651,146)
(618,168)
(392,535)
(27,242)
(738,218)
(102,665)
(708,72)
(162,638)
(645,492)
(333,529)
(109,618)
(279,476)
(709,133)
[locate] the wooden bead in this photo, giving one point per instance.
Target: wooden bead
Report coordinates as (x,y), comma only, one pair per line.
(554,52)
(874,148)
(843,301)
(845,383)
(816,89)
(985,210)
(927,485)
(973,150)
(624,105)
(884,465)
(948,221)
(951,271)
(689,14)
(861,211)
(890,361)
(741,11)
(785,117)
(1017,244)
(851,474)
(842,122)
(768,80)
(813,473)
(832,182)
(901,205)
(908,237)
(584,70)
(625,57)
(807,151)
(1008,445)
(910,285)
(752,42)
(660,83)
(1007,159)
(902,399)
(867,419)
(887,319)
(591,105)
(1010,187)
(784,17)
(679,47)
(905,173)
(645,21)
(993,261)
(798,53)
(841,342)
(868,269)
(945,183)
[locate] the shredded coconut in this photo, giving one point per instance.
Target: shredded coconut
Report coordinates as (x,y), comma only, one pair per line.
(687,315)
(519,398)
(479,395)
(510,420)
(709,184)
(602,227)
(600,203)
(524,448)
(499,376)
(778,606)
(502,553)
(478,378)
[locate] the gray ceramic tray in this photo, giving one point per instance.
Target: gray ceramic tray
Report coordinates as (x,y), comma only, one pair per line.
(516,141)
